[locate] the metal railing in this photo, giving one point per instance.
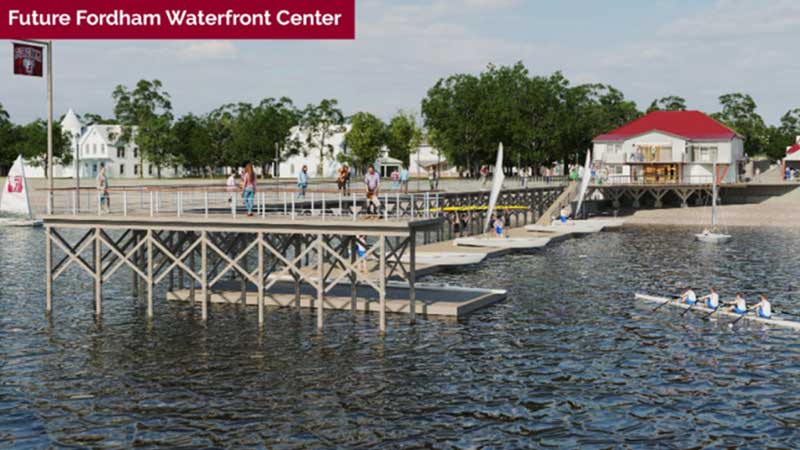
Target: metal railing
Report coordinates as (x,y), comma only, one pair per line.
(649,180)
(221,202)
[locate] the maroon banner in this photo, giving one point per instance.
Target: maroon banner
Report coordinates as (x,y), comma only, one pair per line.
(28,60)
(177,19)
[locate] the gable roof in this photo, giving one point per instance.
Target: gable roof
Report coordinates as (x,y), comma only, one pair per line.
(71,122)
(793,148)
(690,125)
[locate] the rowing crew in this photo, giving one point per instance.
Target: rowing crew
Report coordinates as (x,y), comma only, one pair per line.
(738,305)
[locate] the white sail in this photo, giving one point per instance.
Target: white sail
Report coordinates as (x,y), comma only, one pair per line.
(497,184)
(587,176)
(14,198)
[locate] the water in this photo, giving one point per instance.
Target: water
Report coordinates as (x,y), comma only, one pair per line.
(567,361)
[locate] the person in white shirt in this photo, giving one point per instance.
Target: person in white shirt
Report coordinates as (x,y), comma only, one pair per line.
(231,187)
(763,307)
(712,299)
(689,296)
(739,305)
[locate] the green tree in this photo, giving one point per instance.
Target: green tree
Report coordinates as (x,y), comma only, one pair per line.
(782,136)
(402,136)
(7,141)
(451,110)
(191,145)
(30,141)
(145,116)
(258,131)
(739,113)
(96,119)
(320,122)
(365,139)
(669,103)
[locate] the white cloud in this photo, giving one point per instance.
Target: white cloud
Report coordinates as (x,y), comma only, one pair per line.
(207,50)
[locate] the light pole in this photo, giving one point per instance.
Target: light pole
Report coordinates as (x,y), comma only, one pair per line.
(77,171)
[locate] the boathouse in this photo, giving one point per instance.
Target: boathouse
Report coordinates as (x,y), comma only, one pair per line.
(669,147)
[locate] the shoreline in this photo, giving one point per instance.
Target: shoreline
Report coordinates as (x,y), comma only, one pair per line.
(767,214)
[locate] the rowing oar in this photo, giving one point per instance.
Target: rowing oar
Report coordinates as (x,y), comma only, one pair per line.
(688,309)
(741,316)
(675,297)
(707,316)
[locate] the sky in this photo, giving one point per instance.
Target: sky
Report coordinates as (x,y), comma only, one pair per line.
(696,49)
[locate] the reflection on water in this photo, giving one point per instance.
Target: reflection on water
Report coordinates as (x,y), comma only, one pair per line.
(568,361)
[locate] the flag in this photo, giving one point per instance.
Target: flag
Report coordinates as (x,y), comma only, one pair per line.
(28,60)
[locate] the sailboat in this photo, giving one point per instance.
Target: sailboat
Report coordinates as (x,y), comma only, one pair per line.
(491,240)
(14,199)
(710,234)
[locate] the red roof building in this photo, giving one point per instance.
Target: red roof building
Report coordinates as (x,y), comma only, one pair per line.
(670,147)
(690,125)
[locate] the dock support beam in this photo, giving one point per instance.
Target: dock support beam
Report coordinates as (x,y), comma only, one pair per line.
(412,277)
(320,281)
(204,274)
(382,283)
(98,273)
(260,278)
(150,282)
(48,262)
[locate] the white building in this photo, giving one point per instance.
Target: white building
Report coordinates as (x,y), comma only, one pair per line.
(425,158)
(309,154)
(670,147)
(98,144)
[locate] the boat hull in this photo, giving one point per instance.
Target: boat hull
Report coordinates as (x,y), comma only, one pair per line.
(712,238)
(720,313)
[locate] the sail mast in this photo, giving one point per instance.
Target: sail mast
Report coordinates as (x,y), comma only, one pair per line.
(714,192)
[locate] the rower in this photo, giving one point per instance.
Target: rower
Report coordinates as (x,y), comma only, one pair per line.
(689,297)
(712,299)
(763,308)
(739,304)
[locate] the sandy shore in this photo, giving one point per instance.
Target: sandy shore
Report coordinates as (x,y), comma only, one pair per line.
(781,211)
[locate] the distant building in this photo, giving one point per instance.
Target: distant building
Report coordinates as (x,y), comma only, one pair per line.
(426,157)
(99,144)
(792,159)
(309,155)
(670,147)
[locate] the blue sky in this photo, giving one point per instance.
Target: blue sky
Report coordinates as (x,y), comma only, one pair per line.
(647,49)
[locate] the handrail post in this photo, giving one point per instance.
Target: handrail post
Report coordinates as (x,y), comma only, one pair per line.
(125,203)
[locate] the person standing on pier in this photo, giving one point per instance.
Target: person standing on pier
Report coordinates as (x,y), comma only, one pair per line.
(372,180)
(102,189)
(249,187)
(484,175)
(404,179)
(341,179)
(230,186)
(302,182)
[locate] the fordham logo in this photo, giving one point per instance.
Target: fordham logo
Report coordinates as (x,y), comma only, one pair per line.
(28,60)
(14,184)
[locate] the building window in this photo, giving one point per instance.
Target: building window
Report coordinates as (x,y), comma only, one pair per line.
(703,153)
(135,153)
(94,149)
(122,169)
(136,169)
(120,153)
(103,148)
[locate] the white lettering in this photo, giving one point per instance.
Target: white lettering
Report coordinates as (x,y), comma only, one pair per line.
(315,19)
(37,19)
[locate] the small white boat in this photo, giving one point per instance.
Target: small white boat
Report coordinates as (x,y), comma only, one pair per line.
(712,237)
(721,312)
(14,199)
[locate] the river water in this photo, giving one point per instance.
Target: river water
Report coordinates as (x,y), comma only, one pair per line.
(569,360)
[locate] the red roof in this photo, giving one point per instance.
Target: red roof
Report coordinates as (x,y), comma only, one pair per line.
(691,125)
(792,149)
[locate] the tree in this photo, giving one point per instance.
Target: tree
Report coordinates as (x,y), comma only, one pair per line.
(739,113)
(256,132)
(31,143)
(365,139)
(782,136)
(7,141)
(402,136)
(451,110)
(319,122)
(96,119)
(191,142)
(669,103)
(145,116)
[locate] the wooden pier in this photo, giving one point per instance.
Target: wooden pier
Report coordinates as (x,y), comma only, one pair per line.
(259,252)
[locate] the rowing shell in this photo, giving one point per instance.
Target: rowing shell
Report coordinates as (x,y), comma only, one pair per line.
(720,312)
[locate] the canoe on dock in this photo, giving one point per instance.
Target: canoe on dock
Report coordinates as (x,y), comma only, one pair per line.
(720,313)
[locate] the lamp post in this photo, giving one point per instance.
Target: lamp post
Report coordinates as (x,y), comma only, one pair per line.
(77,171)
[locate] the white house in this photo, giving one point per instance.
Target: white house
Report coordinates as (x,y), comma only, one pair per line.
(425,158)
(670,147)
(309,155)
(98,144)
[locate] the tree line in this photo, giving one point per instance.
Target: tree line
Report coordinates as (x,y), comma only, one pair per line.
(539,118)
